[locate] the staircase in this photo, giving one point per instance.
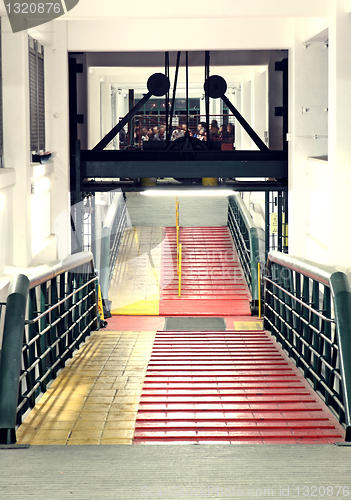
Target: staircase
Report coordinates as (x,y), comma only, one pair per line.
(228,387)
(212,279)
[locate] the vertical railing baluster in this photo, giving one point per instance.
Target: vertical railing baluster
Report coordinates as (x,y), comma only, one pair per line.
(32,331)
(306,333)
(44,341)
(54,329)
(297,324)
(315,336)
(326,329)
(70,316)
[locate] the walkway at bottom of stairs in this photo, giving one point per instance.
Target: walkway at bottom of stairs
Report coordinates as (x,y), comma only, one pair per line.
(95,398)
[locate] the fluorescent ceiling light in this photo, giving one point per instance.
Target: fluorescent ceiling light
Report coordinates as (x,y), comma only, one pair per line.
(189,192)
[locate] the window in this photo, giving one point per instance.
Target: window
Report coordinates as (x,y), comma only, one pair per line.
(36,96)
(157,106)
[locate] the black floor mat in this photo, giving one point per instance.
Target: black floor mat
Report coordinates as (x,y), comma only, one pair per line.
(194,324)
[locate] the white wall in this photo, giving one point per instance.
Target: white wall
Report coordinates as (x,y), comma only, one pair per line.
(122,34)
(339,171)
(16,140)
(32,196)
(319,191)
(308,128)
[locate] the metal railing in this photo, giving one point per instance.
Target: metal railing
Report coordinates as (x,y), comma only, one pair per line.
(59,301)
(308,310)
(249,244)
(2,312)
(111,237)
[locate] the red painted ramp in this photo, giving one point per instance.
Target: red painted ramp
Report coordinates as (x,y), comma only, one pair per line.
(228,387)
(212,279)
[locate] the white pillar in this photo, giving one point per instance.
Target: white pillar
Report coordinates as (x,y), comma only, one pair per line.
(260,102)
(236,99)
(105,107)
(339,171)
(57,135)
(15,79)
(246,111)
(94,129)
(310,220)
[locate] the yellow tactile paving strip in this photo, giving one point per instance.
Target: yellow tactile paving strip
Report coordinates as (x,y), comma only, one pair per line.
(135,284)
(248,325)
(95,398)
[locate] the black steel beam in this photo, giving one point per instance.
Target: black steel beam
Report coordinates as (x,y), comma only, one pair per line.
(183,169)
(183,164)
(117,128)
(246,126)
(163,155)
(168,137)
(128,186)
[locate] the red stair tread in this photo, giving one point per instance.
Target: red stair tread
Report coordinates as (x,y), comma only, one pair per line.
(212,280)
(228,392)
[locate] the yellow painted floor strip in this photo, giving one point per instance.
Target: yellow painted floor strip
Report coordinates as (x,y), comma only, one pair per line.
(248,325)
(145,307)
(95,398)
(135,283)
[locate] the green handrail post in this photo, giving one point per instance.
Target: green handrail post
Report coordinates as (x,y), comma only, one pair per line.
(341,292)
(11,357)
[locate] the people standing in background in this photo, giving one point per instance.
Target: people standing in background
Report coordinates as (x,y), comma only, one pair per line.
(161,135)
(202,134)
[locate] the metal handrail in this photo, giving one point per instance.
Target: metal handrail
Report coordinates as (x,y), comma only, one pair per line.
(20,354)
(41,274)
(299,301)
(318,272)
(279,321)
(70,295)
(249,257)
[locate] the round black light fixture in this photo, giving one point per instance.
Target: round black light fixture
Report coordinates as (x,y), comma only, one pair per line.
(215,86)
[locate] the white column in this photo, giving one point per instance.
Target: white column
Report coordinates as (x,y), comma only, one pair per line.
(246,111)
(94,132)
(215,107)
(310,214)
(339,171)
(57,135)
(17,137)
(260,102)
(236,99)
(105,104)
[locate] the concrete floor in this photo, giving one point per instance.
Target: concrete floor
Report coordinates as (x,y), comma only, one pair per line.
(168,472)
